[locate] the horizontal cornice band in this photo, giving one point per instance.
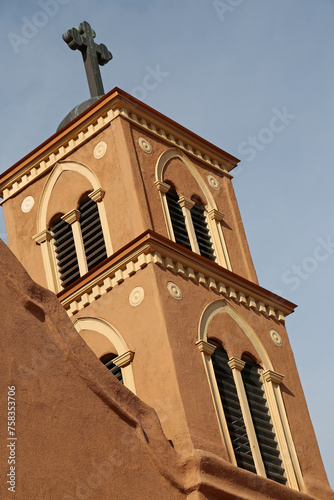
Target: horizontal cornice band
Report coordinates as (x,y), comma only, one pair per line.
(152,248)
(94,119)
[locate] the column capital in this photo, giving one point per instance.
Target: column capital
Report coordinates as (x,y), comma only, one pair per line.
(124,359)
(162,186)
(42,236)
(236,364)
(72,216)
(186,203)
(206,347)
(271,376)
(215,215)
(97,195)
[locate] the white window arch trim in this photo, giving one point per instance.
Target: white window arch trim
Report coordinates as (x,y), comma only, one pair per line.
(124,355)
(43,236)
(213,216)
(271,381)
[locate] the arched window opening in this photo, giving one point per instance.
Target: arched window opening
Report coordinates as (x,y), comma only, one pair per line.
(65,252)
(92,234)
(107,360)
(79,243)
(232,410)
(177,219)
(202,231)
(251,376)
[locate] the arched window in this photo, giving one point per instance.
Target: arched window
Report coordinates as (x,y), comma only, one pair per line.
(107,360)
(247,415)
(233,414)
(78,242)
(189,223)
(251,377)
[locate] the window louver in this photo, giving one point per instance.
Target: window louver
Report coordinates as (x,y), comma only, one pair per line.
(92,234)
(114,369)
(66,256)
(177,218)
(232,410)
(262,423)
(202,232)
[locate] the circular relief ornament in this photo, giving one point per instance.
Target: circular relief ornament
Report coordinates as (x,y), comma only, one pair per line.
(136,297)
(174,290)
(276,338)
(213,182)
(27,204)
(100,149)
(145,145)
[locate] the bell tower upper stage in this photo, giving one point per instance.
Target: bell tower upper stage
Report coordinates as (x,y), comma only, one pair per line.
(135,161)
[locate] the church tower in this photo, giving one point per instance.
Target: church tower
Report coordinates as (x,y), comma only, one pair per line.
(132,221)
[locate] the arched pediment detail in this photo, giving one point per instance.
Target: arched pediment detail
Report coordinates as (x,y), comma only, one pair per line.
(221,307)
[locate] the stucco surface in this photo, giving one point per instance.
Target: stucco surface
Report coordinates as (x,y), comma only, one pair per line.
(80,433)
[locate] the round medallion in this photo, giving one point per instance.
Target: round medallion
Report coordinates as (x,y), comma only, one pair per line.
(213,182)
(136,297)
(276,338)
(174,290)
(146,146)
(100,149)
(27,204)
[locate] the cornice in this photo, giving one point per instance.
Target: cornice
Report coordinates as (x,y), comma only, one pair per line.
(152,248)
(114,104)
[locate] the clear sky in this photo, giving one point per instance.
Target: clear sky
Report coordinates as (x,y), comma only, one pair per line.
(255,77)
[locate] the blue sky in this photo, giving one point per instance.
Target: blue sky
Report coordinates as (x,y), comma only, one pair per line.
(255,77)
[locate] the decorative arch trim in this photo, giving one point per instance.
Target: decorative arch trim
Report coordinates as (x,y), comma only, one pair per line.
(221,307)
(211,207)
(270,384)
(48,255)
(124,357)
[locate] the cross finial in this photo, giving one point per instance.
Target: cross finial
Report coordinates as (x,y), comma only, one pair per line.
(82,38)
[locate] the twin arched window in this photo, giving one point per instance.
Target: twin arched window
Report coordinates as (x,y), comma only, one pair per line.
(247,415)
(189,223)
(78,242)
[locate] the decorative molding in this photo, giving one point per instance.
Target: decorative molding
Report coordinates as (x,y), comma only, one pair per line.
(162,186)
(37,167)
(124,359)
(174,290)
(136,297)
(236,364)
(213,182)
(154,251)
(145,145)
(27,204)
(71,216)
(215,215)
(97,195)
(44,235)
(276,338)
(186,203)
(100,149)
(274,377)
(99,116)
(206,347)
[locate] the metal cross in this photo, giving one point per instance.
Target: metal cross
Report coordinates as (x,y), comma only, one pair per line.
(82,38)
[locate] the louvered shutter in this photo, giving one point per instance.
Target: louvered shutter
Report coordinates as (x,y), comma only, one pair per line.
(177,218)
(262,423)
(202,232)
(92,234)
(65,252)
(114,369)
(232,410)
